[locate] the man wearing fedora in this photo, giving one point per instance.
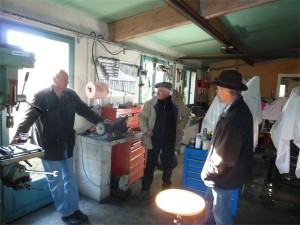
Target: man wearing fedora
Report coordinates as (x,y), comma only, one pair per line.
(162,121)
(229,163)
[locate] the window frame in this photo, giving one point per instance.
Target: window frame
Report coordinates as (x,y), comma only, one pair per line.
(6,25)
(187,73)
(155,61)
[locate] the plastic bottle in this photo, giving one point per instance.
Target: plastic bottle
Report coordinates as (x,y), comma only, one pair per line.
(204,134)
(198,141)
(205,141)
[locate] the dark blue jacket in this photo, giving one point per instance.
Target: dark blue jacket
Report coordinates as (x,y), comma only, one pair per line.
(55,124)
(229,163)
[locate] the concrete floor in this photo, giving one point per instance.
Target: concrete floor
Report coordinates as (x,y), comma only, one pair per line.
(256,205)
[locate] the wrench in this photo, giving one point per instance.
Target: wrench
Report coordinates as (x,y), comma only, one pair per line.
(54,173)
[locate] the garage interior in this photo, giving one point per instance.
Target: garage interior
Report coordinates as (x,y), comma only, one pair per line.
(185,42)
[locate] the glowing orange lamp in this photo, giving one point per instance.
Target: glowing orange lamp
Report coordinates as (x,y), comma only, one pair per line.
(180,203)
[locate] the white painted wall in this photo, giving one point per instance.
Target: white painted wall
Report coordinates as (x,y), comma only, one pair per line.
(84,69)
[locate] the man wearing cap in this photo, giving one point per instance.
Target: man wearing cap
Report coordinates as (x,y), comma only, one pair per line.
(229,163)
(162,121)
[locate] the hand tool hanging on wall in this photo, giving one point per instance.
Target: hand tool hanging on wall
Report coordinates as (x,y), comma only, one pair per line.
(120,85)
(129,69)
(110,67)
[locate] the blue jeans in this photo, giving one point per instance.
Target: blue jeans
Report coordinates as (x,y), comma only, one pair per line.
(64,187)
(218,207)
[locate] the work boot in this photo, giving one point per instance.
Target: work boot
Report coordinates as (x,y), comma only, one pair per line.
(71,219)
(80,215)
(166,185)
(144,194)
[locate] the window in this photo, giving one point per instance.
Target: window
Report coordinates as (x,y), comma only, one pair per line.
(52,52)
(189,85)
(153,76)
(282,90)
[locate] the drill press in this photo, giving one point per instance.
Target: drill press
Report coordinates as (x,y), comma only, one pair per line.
(12,58)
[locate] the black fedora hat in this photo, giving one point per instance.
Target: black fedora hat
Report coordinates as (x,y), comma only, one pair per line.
(230,79)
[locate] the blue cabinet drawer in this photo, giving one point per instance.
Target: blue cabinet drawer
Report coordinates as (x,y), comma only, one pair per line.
(194,163)
(194,169)
(195,184)
(196,154)
(198,192)
(194,160)
(195,175)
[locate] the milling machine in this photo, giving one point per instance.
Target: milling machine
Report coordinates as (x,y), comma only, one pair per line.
(13,174)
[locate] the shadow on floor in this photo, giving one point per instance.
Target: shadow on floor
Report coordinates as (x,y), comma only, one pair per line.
(266,200)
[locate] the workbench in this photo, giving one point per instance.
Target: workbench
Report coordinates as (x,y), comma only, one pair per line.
(25,152)
(95,160)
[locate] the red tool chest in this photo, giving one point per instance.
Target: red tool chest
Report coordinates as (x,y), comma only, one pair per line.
(132,113)
(128,158)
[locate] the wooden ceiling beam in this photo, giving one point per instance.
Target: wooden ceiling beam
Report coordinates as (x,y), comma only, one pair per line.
(215,8)
(156,20)
(214,27)
(168,17)
(191,10)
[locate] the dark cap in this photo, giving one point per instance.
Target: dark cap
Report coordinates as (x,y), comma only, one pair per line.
(231,79)
(167,85)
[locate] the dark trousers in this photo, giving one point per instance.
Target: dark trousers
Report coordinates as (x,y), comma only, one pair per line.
(166,163)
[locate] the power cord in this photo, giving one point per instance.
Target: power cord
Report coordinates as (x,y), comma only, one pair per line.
(83,167)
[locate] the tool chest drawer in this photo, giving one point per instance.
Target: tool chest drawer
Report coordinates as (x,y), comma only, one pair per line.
(137,159)
(131,113)
(133,177)
(114,113)
(194,175)
(190,163)
(136,144)
(197,154)
(195,184)
(194,160)
(128,158)
(195,169)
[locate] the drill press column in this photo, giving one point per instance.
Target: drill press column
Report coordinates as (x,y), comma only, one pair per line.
(12,58)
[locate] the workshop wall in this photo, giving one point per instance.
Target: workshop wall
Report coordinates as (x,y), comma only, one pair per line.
(267,71)
(84,69)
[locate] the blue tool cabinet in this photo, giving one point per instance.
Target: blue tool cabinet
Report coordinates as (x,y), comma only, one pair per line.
(194,160)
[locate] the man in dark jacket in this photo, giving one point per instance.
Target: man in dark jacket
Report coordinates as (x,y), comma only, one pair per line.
(229,163)
(162,121)
(54,122)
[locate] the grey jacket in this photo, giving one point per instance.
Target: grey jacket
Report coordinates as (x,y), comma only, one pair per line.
(147,119)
